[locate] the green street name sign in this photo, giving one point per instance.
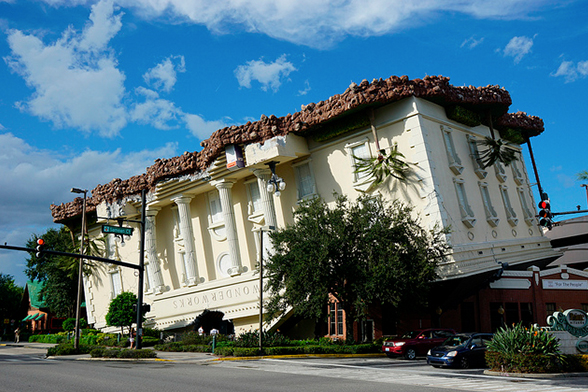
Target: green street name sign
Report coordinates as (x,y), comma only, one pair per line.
(117,230)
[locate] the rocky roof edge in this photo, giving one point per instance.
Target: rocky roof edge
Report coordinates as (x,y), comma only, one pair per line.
(379,92)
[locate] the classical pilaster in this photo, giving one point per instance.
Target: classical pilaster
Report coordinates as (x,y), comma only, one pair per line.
(187,236)
(267,206)
(155,277)
(226,199)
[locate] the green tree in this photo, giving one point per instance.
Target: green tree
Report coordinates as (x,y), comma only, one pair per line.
(60,273)
(363,253)
(10,297)
(120,312)
(60,289)
(583,175)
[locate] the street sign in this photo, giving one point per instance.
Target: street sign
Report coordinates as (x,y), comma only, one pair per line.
(117,230)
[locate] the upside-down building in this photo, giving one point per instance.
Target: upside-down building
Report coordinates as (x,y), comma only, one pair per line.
(206,210)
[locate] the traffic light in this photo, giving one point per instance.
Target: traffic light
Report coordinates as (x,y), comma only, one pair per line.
(545,214)
(40,244)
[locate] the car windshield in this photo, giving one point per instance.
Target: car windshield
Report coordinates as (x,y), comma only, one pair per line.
(411,335)
(456,340)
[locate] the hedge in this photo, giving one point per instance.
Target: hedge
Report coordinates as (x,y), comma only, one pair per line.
(104,352)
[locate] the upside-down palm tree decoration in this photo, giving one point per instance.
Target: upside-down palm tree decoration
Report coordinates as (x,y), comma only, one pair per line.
(378,169)
(495,150)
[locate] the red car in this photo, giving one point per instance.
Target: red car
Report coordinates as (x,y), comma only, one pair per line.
(416,343)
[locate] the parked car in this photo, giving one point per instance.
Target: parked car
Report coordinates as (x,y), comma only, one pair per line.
(416,343)
(462,350)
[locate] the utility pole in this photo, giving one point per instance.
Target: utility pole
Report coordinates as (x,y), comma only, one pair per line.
(139,336)
(80,268)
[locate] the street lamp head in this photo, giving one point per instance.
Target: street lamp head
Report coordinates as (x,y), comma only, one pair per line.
(78,190)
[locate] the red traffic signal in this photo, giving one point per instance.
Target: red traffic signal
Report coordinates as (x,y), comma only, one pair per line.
(40,244)
(545,214)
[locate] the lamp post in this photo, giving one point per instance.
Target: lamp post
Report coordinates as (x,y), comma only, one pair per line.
(275,184)
(79,297)
(585,186)
(261,230)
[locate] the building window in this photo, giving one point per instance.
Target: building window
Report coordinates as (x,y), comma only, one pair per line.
(454,161)
(491,214)
(517,175)
(216,211)
(499,170)
(254,206)
(336,320)
(585,307)
(476,160)
(305,184)
(550,308)
(467,214)
(116,282)
(527,212)
(511,215)
(357,151)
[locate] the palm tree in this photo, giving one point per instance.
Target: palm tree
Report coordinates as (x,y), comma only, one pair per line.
(496,150)
(583,175)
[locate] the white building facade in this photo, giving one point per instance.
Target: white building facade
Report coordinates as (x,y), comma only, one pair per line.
(204,220)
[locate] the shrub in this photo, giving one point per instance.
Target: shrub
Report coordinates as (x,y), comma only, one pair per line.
(149,341)
(68,349)
(524,350)
(270,339)
(70,324)
(102,352)
(48,338)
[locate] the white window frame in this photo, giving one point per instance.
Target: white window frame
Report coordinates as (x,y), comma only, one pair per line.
(467,214)
(254,206)
(358,179)
(511,215)
(475,155)
(517,175)
(115,281)
(527,212)
(216,221)
(299,180)
(454,161)
(491,214)
(500,172)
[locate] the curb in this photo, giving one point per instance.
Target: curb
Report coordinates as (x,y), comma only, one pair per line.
(534,375)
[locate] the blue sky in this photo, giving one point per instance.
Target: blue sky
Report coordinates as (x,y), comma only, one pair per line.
(91,91)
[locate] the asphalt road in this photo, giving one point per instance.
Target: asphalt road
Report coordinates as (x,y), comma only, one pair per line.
(26,369)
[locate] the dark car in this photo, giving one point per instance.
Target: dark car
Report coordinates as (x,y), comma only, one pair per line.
(416,343)
(463,350)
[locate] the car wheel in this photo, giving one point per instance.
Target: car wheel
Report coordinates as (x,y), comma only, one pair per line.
(410,353)
(464,363)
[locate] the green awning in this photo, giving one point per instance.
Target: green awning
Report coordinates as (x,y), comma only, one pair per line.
(39,316)
(32,317)
(27,318)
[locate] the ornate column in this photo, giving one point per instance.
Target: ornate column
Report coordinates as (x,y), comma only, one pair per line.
(187,236)
(268,207)
(224,190)
(155,277)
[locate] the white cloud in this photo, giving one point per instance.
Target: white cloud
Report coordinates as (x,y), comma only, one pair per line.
(323,23)
(270,75)
(471,43)
(33,179)
(160,113)
(518,47)
(201,128)
(571,71)
(306,89)
(76,81)
(164,75)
